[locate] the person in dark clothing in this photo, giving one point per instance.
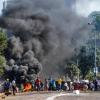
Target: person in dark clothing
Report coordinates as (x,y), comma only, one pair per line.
(96,85)
(7,86)
(63,85)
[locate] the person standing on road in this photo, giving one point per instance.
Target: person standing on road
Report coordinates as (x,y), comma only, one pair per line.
(46,85)
(59,81)
(92,87)
(7,86)
(14,87)
(96,85)
(38,84)
(66,86)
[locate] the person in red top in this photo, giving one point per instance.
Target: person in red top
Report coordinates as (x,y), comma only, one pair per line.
(76,86)
(38,84)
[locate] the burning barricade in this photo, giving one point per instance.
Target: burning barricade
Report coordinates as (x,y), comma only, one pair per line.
(27,87)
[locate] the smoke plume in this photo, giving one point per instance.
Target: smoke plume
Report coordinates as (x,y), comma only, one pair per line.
(45,33)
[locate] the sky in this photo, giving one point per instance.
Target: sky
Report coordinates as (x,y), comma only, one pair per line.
(85,7)
(82,7)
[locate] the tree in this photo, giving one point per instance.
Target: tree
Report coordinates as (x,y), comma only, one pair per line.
(98,57)
(3,45)
(90,75)
(95,21)
(86,61)
(3,41)
(72,71)
(2,62)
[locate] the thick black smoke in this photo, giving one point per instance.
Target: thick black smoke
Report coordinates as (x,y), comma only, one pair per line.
(45,32)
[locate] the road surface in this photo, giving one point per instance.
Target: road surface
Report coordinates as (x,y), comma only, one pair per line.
(55,96)
(86,96)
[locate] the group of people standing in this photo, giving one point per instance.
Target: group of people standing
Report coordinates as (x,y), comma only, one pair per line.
(60,84)
(94,85)
(38,85)
(51,85)
(48,85)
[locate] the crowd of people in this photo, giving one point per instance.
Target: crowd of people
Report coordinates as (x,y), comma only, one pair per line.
(37,85)
(49,85)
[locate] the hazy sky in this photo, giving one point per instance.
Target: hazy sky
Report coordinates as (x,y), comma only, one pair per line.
(83,7)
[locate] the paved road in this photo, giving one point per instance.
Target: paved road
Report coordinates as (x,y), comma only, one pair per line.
(54,96)
(92,96)
(31,96)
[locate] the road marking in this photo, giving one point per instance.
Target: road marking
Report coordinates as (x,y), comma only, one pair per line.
(67,94)
(55,96)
